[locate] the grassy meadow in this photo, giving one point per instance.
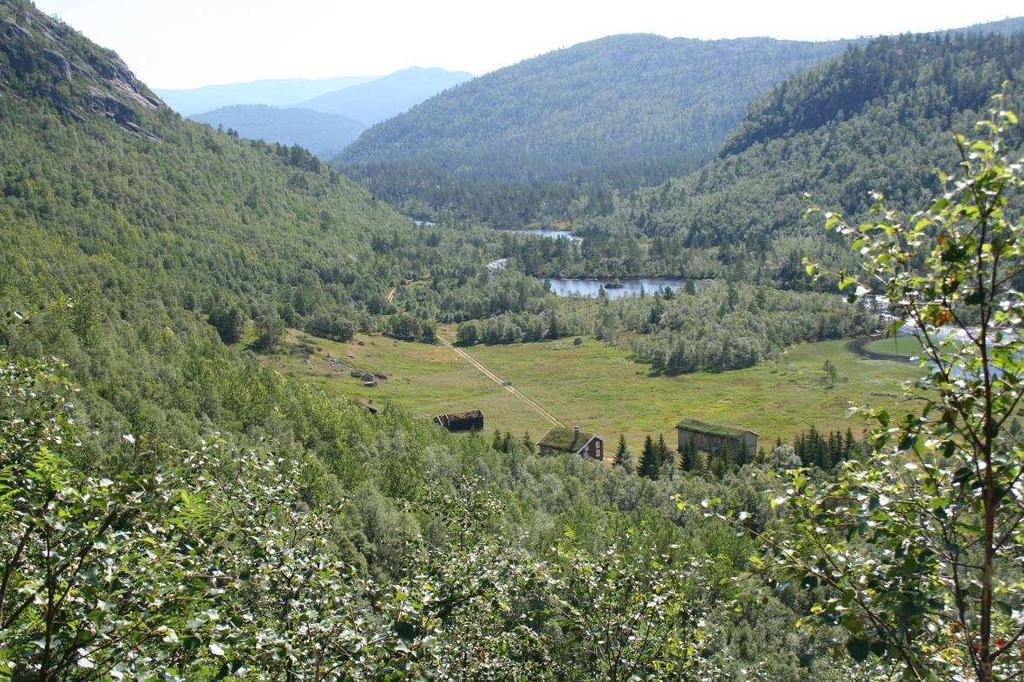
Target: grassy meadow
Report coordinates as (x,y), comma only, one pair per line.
(896,346)
(600,388)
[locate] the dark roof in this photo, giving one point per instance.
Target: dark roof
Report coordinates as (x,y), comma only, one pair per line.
(697,425)
(565,440)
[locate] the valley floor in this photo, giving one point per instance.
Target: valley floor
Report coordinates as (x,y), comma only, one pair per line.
(600,387)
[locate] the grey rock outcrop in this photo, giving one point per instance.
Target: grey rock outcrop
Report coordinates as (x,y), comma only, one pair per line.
(83,79)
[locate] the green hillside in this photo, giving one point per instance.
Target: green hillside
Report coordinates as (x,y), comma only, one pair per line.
(181,211)
(621,110)
(323,134)
(880,117)
(146,222)
(965,67)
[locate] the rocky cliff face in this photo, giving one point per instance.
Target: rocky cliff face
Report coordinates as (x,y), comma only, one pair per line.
(40,57)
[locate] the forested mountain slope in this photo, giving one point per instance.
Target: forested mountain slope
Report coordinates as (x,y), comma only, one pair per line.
(962,65)
(111,200)
(623,110)
(323,134)
(880,117)
(387,96)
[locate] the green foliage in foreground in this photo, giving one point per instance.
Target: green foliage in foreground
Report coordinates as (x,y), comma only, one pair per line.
(169,506)
(221,562)
(920,546)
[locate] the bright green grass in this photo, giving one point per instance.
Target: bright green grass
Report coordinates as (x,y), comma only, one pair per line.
(899,346)
(601,389)
(426,380)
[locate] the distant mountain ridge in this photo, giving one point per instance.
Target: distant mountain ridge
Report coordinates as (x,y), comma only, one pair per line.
(323,134)
(555,136)
(388,96)
(280,92)
(632,107)
(1003,27)
(328,123)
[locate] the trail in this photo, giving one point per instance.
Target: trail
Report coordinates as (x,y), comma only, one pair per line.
(533,404)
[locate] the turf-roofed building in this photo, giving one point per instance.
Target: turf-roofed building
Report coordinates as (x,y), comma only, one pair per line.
(561,440)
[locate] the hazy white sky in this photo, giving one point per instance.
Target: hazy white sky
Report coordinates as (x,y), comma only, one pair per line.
(187,43)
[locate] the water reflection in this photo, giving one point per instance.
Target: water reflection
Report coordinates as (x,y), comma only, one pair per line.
(591,288)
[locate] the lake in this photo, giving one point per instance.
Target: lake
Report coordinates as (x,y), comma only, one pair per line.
(548,234)
(590,288)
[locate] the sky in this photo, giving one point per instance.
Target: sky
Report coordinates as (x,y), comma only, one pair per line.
(189,43)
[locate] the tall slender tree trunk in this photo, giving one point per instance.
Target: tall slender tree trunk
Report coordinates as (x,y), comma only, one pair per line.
(987,439)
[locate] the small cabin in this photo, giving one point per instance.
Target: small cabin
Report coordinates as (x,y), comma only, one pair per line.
(461,421)
(561,440)
(712,438)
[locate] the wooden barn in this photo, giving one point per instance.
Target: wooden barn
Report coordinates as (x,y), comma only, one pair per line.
(561,440)
(461,421)
(711,438)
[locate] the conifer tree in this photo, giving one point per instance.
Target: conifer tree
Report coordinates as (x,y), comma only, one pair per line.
(229,321)
(623,458)
(528,443)
(649,460)
(725,459)
(743,457)
(663,453)
(689,458)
